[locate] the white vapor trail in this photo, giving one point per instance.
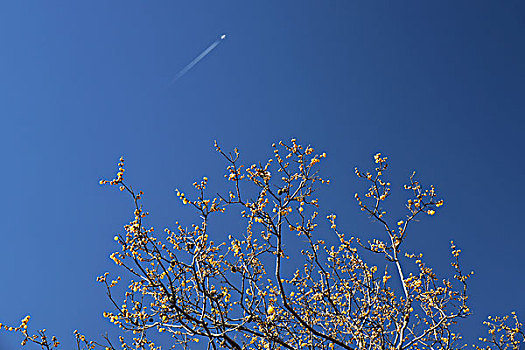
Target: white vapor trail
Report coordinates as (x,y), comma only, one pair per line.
(198,58)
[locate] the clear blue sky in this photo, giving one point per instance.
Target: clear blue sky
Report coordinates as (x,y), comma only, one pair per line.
(439,87)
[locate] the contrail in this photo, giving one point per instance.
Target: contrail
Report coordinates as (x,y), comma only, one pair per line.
(198,58)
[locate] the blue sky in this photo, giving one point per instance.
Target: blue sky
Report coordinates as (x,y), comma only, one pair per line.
(438,87)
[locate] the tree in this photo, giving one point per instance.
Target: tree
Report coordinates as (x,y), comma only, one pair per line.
(246,293)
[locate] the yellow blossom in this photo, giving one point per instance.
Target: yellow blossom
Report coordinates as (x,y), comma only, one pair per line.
(271,310)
